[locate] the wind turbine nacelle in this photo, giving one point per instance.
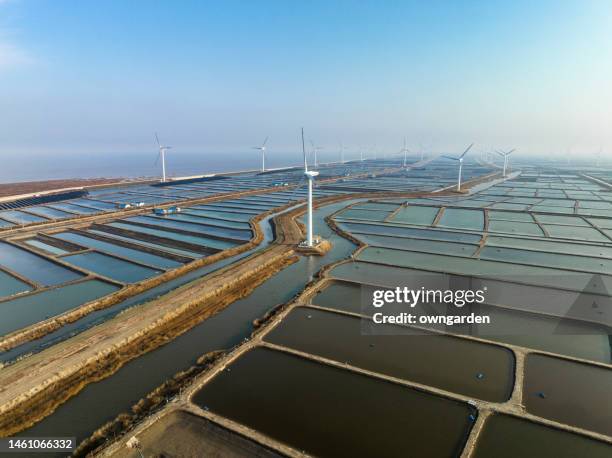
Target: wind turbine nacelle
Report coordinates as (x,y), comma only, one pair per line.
(311,173)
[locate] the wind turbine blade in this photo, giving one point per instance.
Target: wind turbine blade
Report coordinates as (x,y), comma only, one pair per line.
(509,152)
(500,153)
(265,141)
(451,157)
(466,151)
(157,140)
(297,188)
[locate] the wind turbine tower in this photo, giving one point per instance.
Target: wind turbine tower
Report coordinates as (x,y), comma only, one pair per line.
(405,150)
(342,148)
(505,156)
(162,156)
(460,160)
(262,148)
(309,175)
(315,150)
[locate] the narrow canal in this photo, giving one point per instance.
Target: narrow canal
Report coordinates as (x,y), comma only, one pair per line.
(102,401)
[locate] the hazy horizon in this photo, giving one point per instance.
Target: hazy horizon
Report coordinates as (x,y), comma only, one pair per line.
(96,78)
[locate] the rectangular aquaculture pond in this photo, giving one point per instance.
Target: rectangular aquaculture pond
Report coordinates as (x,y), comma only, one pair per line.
(35,267)
(515,227)
(78,209)
(196,240)
(544,276)
(428,246)
(540,258)
(129,253)
(221,215)
(509,216)
(369,215)
(467,367)
(540,332)
(10,285)
(209,221)
(573,393)
(49,212)
(398,231)
(576,233)
(420,216)
(155,246)
(505,436)
(548,245)
(19,217)
(286,397)
(110,267)
(24,311)
(205,229)
(462,219)
(45,247)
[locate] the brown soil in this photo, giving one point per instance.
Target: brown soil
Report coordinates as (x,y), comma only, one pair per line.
(35,387)
(181,433)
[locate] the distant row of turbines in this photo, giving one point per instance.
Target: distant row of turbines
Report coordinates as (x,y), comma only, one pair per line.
(309,175)
(263,148)
(315,149)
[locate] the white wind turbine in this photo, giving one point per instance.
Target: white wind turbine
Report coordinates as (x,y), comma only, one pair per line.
(460,160)
(309,175)
(342,149)
(262,148)
(505,156)
(405,150)
(315,149)
(162,156)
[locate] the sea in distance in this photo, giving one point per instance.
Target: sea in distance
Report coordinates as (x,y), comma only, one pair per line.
(51,166)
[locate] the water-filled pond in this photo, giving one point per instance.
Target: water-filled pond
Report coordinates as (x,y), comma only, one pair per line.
(49,212)
(421,216)
(10,285)
(462,366)
(35,267)
(110,267)
(129,253)
(193,239)
(53,250)
(285,397)
(459,218)
(541,332)
(505,436)
(26,310)
(156,246)
(19,217)
(570,392)
(167,224)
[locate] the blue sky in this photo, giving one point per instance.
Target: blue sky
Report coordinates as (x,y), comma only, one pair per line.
(101,76)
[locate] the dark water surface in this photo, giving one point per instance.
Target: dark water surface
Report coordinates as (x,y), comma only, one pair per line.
(462,366)
(504,436)
(332,412)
